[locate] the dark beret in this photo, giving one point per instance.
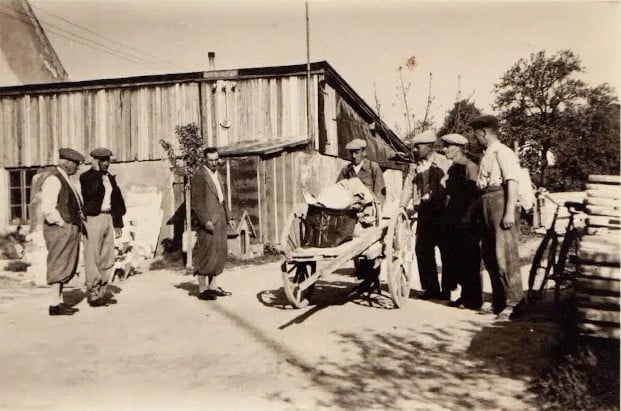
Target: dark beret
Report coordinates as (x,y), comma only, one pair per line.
(70,154)
(484,121)
(101,152)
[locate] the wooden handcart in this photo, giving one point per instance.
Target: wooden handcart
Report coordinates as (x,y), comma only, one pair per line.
(304,266)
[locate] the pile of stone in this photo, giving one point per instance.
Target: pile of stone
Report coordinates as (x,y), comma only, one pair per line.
(599,274)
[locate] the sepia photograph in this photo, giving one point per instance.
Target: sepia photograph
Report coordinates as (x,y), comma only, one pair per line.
(310,205)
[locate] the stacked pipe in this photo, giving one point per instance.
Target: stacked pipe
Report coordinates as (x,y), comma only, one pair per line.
(598,280)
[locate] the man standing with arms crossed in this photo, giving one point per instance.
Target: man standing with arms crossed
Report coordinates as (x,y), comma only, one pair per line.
(62,211)
(104,208)
(497,181)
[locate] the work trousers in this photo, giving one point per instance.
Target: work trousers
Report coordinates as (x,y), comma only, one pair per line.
(499,248)
(98,254)
(464,262)
(430,234)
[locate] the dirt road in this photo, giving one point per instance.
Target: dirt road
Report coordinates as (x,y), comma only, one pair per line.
(160,347)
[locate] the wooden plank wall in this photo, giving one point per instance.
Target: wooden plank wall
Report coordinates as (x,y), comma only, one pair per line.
(129,121)
(256,110)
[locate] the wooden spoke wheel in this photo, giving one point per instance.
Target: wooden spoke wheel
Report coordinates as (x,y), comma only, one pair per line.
(398,258)
(291,279)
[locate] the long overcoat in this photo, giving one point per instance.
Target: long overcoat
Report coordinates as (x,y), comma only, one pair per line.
(210,251)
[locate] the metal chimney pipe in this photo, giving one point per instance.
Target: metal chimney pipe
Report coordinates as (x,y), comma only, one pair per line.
(211,55)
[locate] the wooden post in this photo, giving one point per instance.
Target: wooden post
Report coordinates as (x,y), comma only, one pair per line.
(188,224)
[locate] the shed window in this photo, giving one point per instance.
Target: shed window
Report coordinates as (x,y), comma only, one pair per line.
(20,183)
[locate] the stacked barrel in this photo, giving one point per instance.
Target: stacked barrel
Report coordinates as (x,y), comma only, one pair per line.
(599,274)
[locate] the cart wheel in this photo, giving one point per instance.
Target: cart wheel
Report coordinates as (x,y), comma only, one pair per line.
(290,280)
(398,261)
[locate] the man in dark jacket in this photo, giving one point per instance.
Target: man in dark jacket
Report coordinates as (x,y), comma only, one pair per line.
(62,209)
(463,254)
(209,207)
(104,208)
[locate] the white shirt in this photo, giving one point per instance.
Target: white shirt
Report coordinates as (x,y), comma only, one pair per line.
(216,181)
(357,168)
(498,164)
(106,204)
(49,197)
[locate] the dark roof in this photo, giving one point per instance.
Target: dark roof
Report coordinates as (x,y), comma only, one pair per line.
(320,67)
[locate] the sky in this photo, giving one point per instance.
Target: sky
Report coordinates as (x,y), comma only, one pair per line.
(365,41)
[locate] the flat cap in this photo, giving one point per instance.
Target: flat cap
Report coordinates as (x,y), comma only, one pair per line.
(356,144)
(455,139)
(70,154)
(484,121)
(101,152)
(426,137)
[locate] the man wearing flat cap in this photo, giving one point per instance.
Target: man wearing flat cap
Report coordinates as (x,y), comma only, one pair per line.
(371,175)
(62,211)
(463,254)
(497,181)
(104,208)
(425,185)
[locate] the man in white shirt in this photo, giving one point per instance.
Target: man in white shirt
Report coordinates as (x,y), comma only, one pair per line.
(497,182)
(104,208)
(62,211)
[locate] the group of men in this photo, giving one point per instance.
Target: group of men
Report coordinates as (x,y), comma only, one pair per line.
(95,212)
(467,211)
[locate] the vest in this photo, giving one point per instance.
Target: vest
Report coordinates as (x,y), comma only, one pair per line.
(67,204)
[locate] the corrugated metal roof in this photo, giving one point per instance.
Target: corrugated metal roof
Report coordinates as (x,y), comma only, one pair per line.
(262,148)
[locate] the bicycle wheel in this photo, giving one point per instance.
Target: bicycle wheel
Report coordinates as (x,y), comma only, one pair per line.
(566,266)
(541,268)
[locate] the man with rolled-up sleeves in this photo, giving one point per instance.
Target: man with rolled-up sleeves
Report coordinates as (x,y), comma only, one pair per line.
(497,181)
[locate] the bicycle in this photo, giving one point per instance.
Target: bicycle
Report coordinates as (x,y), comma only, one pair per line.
(562,269)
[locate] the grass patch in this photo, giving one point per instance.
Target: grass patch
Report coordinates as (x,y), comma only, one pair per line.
(17,266)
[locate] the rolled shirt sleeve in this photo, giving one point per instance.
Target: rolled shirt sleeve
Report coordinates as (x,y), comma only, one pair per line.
(508,163)
(49,198)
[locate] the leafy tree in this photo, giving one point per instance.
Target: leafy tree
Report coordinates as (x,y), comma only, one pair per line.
(457,120)
(546,109)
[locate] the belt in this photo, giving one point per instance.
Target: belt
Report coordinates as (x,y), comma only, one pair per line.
(490,190)
(106,212)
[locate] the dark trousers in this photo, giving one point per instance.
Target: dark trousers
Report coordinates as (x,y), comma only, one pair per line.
(499,248)
(464,262)
(430,234)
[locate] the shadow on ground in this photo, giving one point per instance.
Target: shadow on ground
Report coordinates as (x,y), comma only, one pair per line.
(190,287)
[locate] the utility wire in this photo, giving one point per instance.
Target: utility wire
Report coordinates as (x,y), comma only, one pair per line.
(110,39)
(82,40)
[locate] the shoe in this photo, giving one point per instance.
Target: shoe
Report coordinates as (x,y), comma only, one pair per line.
(504,315)
(430,295)
(207,295)
(111,301)
(458,303)
(61,309)
(100,302)
(220,292)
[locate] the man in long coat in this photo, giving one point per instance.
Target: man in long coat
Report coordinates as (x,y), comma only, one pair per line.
(209,207)
(104,208)
(62,211)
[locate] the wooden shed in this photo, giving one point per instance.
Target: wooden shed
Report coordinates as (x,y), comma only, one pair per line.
(256,116)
